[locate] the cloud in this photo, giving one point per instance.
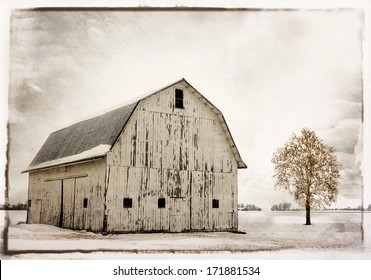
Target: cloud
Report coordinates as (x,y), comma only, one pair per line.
(343,137)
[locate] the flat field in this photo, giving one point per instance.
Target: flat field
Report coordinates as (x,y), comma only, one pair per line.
(269,235)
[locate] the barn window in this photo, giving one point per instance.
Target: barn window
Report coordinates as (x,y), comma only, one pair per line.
(179,98)
(29,203)
(85,203)
(128,203)
(161,202)
(215,203)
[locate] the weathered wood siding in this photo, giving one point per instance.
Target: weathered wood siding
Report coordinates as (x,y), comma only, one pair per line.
(181,155)
(57,196)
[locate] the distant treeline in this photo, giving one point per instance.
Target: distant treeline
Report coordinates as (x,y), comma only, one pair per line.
(284,206)
(287,207)
(19,206)
(248,207)
(359,208)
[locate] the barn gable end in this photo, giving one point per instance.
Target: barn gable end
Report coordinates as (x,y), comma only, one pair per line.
(165,163)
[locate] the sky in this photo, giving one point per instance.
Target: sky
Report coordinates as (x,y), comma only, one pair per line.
(271,73)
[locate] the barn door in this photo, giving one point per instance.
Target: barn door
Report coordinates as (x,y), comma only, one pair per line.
(37,212)
(177,214)
(68,186)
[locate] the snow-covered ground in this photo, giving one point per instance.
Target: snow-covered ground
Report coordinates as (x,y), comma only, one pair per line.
(276,235)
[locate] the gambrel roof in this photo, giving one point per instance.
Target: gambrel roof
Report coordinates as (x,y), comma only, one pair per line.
(94,138)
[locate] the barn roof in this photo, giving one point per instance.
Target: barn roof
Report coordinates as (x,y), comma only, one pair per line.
(93,138)
(85,140)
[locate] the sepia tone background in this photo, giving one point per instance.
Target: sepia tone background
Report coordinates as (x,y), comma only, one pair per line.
(304,69)
(271,72)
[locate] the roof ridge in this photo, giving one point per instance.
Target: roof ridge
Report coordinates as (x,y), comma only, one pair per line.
(137,100)
(97,116)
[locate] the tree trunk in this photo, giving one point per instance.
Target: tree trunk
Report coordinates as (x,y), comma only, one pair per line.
(307,214)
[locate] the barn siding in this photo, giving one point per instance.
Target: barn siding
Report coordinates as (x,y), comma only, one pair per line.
(79,181)
(181,155)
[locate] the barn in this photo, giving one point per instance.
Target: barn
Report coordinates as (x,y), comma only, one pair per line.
(166,163)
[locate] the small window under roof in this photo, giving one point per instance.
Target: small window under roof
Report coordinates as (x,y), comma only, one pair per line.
(179,99)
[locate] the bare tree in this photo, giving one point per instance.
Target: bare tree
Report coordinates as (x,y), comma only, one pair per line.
(309,170)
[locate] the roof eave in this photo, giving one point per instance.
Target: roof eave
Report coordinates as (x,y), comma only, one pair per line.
(38,168)
(241,165)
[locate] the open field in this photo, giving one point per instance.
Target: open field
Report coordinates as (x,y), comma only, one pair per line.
(268,235)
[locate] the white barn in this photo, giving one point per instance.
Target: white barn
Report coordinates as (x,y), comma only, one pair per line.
(166,163)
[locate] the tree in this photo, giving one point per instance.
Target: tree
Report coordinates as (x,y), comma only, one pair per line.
(285,206)
(251,207)
(309,170)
